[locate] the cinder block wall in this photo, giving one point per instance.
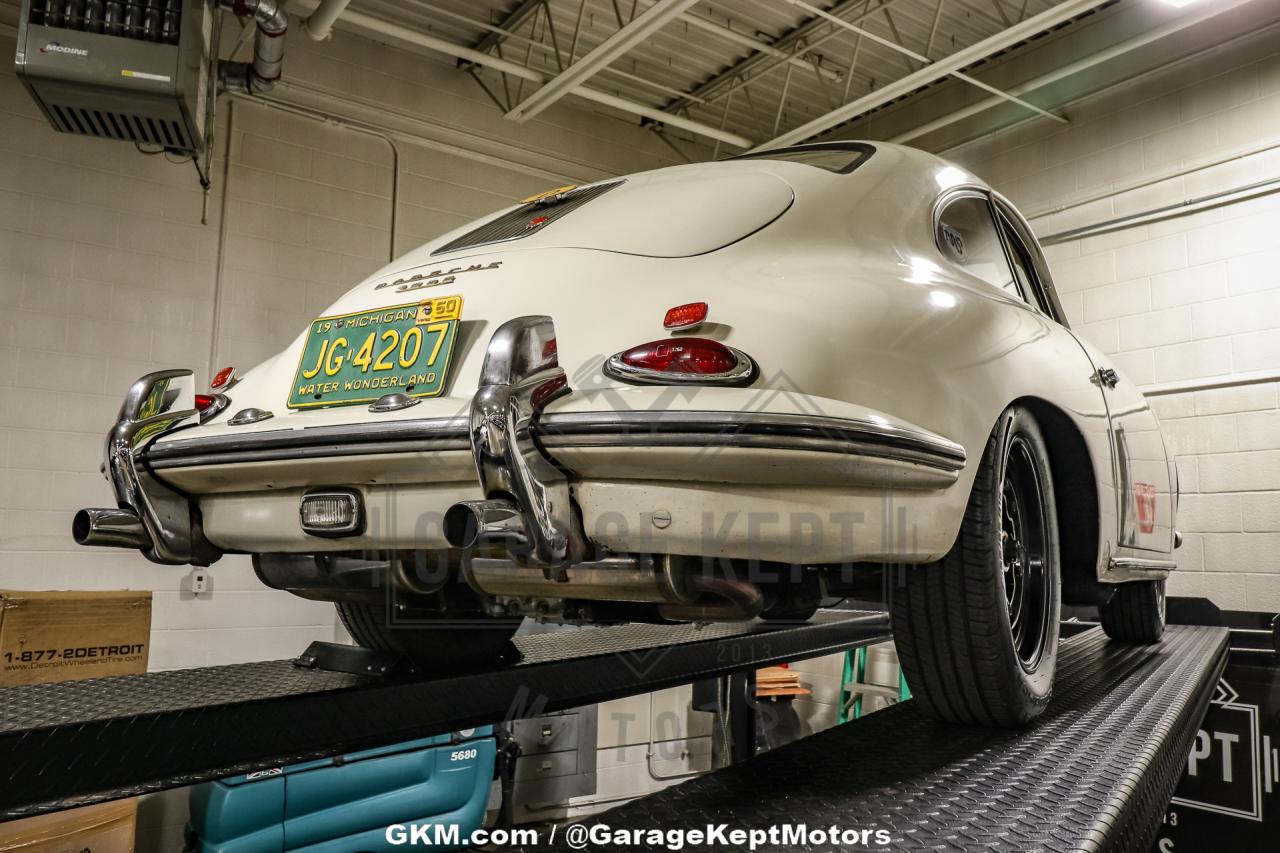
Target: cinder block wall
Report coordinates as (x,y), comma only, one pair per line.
(106,274)
(1184,301)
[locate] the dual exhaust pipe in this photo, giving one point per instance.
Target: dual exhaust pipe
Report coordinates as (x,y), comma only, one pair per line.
(679,594)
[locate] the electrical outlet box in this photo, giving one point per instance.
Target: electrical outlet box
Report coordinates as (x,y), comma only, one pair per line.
(133,70)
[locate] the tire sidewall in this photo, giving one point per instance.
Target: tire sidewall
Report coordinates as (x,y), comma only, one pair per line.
(1037,684)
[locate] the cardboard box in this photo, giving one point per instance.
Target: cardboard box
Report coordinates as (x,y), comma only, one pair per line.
(104,828)
(69,635)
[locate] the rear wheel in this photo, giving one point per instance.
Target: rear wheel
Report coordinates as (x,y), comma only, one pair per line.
(977,632)
(1135,613)
(465,642)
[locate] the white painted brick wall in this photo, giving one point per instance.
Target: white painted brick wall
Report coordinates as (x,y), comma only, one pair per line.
(106,274)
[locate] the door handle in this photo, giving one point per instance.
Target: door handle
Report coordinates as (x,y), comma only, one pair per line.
(1108,377)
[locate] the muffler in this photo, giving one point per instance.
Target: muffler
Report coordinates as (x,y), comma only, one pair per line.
(652,580)
(115,528)
(681,594)
(466,523)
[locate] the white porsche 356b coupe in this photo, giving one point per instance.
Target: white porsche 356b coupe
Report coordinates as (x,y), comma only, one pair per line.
(718,391)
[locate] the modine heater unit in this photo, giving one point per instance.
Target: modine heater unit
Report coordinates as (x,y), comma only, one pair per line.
(135,70)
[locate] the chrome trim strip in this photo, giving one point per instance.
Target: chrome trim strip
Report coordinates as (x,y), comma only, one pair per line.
(707,423)
(1142,564)
(578,429)
(840,447)
(312,442)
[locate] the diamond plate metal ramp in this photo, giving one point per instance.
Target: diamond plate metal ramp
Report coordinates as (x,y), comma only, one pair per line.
(1095,773)
(78,742)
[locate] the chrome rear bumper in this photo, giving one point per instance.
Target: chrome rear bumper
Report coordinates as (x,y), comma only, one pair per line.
(523,456)
(555,430)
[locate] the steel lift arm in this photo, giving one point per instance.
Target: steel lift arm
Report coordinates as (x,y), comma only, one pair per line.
(78,742)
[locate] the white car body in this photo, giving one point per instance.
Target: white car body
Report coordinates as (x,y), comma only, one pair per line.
(882,368)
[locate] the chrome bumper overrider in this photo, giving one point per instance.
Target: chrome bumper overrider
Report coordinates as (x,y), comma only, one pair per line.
(526,497)
(149,516)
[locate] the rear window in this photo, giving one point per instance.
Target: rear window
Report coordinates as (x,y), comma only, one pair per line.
(838,157)
(528,218)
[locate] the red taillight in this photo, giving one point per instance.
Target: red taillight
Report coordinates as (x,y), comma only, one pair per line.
(682,355)
(682,360)
(222,378)
(685,316)
(210,405)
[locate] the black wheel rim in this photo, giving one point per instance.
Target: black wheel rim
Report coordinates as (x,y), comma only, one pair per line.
(1024,554)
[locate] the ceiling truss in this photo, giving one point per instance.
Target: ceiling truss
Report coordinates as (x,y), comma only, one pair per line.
(742,73)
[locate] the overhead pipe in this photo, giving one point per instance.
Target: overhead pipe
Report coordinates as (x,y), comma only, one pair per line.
(261,74)
(368,23)
(319,26)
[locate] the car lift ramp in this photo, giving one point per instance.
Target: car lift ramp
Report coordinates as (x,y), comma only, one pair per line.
(78,742)
(1095,772)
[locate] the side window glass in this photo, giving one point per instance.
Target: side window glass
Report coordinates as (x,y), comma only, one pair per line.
(967,235)
(1022,266)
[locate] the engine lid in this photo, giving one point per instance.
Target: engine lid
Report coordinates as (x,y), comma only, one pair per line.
(671,213)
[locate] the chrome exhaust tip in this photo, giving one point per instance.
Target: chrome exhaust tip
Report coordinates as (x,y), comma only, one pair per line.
(468,522)
(110,527)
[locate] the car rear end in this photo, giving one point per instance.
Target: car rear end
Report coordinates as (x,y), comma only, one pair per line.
(624,368)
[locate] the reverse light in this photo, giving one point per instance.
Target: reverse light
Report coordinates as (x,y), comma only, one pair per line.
(682,361)
(688,316)
(223,378)
(209,405)
(335,513)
